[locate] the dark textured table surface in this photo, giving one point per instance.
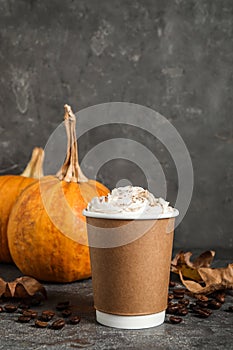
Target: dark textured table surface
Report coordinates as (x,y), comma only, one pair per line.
(212,333)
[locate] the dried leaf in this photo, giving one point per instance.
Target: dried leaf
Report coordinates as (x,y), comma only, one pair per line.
(204,260)
(214,279)
(182,264)
(21,287)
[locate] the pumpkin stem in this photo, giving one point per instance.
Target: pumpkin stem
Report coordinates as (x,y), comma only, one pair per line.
(70,170)
(34,168)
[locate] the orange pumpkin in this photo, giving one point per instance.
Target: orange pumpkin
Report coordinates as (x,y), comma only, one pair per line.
(10,188)
(47,231)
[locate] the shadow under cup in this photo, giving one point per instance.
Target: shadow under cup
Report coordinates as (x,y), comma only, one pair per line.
(130,261)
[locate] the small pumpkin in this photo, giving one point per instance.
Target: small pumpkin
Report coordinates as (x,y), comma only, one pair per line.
(10,188)
(47,231)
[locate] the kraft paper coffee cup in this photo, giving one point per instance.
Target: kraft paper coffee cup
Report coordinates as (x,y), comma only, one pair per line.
(130,261)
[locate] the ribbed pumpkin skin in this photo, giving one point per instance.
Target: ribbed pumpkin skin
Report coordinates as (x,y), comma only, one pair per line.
(37,246)
(10,188)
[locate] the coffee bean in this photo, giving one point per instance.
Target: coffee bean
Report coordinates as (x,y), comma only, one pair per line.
(220,297)
(1,309)
(24,319)
(58,324)
(178,293)
(47,315)
(175,320)
(192,306)
(31,313)
(214,304)
(178,296)
(74,320)
(10,308)
(182,312)
(202,304)
(66,313)
(172,284)
(26,313)
(203,313)
(184,301)
(41,324)
(179,290)
(170,296)
(172,309)
(62,305)
(170,304)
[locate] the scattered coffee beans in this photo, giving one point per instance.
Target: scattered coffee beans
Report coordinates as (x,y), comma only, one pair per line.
(176,308)
(58,324)
(200,308)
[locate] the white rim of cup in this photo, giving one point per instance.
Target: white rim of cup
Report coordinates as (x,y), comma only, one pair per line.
(130,216)
(130,322)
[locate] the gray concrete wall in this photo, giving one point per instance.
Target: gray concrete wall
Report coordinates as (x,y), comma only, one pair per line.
(173,56)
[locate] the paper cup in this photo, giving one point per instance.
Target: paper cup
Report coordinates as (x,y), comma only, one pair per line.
(130,273)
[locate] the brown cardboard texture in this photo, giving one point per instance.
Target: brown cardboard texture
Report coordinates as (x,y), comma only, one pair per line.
(132,279)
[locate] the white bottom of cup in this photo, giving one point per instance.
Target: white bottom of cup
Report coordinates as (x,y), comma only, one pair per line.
(130,322)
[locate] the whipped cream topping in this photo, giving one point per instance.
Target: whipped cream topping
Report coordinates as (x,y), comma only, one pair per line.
(130,199)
